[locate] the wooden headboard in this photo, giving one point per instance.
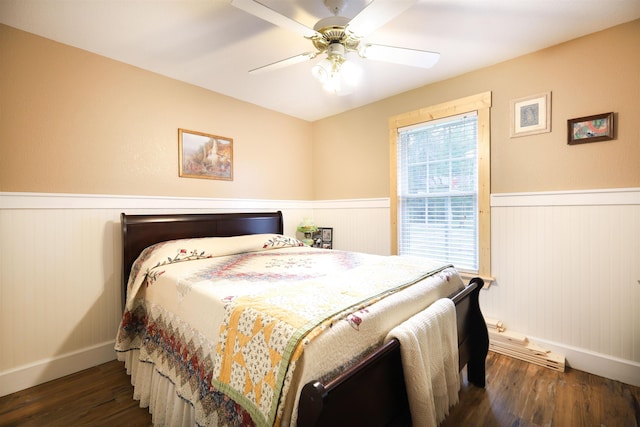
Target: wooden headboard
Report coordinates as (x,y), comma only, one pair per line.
(141,231)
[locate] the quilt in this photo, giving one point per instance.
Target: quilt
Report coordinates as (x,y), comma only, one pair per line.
(233,322)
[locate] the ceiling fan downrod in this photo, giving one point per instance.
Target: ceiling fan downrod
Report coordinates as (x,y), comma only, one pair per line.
(335,6)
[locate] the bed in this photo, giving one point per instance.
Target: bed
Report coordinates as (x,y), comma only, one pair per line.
(365,388)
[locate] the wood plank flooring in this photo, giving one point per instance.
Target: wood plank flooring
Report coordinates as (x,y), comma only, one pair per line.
(518,394)
(521,394)
(99,396)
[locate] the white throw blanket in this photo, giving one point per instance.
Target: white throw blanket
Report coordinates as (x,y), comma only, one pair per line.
(429,350)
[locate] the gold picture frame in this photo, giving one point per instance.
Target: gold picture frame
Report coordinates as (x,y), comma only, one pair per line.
(202,155)
(530,115)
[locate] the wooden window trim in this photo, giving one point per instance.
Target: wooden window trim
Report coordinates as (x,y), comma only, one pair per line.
(481,103)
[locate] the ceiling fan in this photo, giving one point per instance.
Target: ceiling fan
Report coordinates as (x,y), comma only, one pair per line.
(337,35)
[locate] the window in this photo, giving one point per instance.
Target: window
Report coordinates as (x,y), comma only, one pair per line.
(438,190)
(440,183)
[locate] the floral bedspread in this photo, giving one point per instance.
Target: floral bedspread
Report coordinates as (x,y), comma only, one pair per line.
(228,320)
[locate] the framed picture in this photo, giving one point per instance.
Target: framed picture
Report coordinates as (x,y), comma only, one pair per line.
(590,129)
(323,238)
(202,155)
(531,115)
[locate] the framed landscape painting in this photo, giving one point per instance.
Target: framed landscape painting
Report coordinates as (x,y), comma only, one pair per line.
(202,155)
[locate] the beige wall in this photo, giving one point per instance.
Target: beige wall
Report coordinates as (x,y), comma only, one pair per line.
(75,122)
(591,75)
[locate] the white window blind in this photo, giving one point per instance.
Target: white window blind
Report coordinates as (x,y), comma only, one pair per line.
(438,190)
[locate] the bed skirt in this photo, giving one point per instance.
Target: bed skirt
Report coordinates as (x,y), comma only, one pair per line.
(156,392)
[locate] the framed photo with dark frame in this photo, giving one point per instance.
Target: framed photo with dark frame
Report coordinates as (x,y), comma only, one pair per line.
(202,155)
(323,238)
(530,115)
(598,127)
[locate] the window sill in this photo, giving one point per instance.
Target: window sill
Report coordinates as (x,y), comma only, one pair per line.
(488,280)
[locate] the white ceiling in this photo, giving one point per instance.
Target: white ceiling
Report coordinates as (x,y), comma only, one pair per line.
(212,44)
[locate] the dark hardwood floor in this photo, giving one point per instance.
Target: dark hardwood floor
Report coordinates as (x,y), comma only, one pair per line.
(518,394)
(521,394)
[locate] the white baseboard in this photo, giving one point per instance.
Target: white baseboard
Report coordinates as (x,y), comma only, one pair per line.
(39,372)
(626,371)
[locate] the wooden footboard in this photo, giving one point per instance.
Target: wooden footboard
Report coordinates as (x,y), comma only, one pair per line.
(373,393)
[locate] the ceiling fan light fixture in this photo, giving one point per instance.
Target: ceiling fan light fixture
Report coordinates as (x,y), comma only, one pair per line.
(343,77)
(335,72)
(351,73)
(322,70)
(328,74)
(333,84)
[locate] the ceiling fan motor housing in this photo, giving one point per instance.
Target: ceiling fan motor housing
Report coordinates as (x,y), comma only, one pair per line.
(332,31)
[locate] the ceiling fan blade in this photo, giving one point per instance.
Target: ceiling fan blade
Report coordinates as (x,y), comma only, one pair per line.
(267,14)
(376,14)
(285,62)
(400,55)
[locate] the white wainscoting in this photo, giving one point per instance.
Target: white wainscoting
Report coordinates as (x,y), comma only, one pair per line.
(358,225)
(60,263)
(567,268)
